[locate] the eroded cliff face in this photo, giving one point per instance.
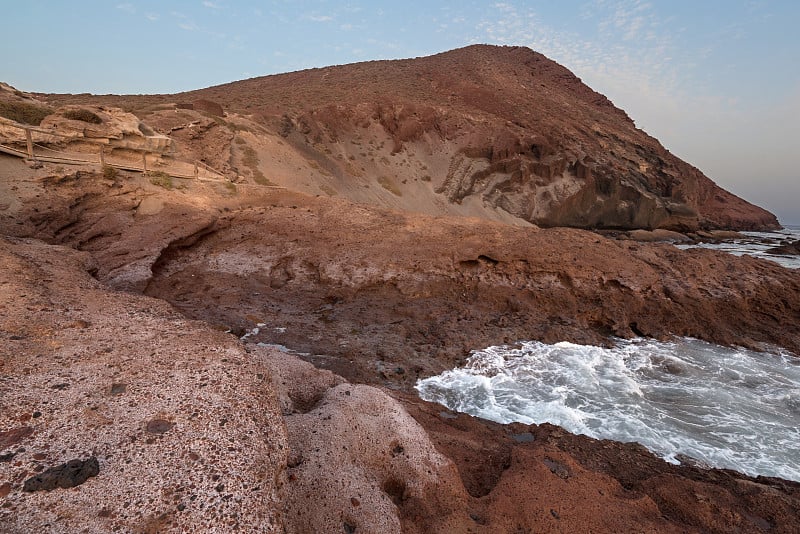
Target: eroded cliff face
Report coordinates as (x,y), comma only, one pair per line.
(501,133)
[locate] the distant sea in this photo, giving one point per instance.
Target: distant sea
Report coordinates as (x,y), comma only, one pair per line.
(723,407)
(757,243)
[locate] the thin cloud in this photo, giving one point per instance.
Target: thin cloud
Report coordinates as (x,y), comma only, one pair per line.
(184,22)
(637,59)
(319,18)
(127,7)
(211,5)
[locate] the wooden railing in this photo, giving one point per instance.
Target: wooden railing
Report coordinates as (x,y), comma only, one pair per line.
(38,152)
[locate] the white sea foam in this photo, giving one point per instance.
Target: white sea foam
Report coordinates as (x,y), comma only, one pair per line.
(729,408)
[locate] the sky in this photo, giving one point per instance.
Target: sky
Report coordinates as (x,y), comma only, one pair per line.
(716,81)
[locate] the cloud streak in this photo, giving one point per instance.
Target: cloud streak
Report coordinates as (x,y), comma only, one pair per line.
(319,18)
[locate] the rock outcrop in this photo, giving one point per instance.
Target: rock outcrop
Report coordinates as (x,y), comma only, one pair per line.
(791,248)
(69,127)
(187,435)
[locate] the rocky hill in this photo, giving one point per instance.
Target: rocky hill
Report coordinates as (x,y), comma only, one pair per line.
(496,132)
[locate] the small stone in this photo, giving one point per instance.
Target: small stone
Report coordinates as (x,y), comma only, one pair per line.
(355,502)
(478,519)
(37,415)
(554,514)
(14,436)
(524,437)
(5,489)
(118,389)
(557,468)
(159,426)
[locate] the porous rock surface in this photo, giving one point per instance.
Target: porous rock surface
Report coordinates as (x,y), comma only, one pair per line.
(360,463)
(184,425)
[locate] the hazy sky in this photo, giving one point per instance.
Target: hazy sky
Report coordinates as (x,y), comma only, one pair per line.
(716,81)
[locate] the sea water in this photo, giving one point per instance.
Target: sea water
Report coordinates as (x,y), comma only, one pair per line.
(756,244)
(727,407)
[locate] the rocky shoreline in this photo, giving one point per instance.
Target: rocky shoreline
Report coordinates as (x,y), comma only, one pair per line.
(117,295)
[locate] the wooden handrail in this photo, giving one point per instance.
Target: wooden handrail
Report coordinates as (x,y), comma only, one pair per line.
(101,156)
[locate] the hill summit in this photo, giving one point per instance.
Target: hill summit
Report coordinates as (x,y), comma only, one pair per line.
(503,126)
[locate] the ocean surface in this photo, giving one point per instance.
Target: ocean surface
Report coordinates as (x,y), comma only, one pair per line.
(757,243)
(726,407)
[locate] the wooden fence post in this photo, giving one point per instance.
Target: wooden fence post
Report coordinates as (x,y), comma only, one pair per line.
(29,139)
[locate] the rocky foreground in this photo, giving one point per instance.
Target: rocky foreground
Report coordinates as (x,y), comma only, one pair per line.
(118,297)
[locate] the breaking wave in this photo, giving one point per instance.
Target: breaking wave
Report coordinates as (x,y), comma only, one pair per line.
(729,408)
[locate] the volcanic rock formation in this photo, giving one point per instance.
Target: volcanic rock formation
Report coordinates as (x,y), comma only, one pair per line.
(497,132)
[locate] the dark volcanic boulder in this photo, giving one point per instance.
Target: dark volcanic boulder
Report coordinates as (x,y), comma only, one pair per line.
(68,475)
